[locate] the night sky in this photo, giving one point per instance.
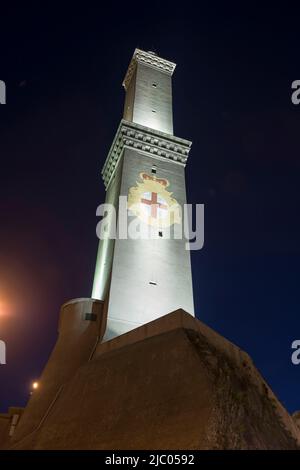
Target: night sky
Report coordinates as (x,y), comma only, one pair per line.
(232,97)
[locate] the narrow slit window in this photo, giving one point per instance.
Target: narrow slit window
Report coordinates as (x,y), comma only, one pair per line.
(153,170)
(152,283)
(90,317)
(153,111)
(154,85)
(160,234)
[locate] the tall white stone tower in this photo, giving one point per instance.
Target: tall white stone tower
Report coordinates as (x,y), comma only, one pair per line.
(144,279)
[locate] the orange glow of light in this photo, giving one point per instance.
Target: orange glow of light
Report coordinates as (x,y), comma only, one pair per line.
(7,305)
(4,310)
(35,385)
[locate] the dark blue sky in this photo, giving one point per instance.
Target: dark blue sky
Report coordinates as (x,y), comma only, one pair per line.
(232,86)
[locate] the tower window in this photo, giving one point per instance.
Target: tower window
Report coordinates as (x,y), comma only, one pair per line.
(160,234)
(152,283)
(153,111)
(154,85)
(153,170)
(90,317)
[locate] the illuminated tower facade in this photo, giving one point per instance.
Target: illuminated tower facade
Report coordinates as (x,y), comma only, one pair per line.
(145,278)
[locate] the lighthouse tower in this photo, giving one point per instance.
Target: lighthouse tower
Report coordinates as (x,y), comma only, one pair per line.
(145,278)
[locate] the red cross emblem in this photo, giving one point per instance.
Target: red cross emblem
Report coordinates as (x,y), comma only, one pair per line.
(157,203)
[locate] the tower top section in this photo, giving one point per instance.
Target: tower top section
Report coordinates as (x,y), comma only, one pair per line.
(150,59)
(148,87)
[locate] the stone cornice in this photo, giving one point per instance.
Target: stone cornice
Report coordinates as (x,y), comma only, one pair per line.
(152,142)
(150,59)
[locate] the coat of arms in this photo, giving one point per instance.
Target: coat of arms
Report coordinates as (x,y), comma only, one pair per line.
(152,203)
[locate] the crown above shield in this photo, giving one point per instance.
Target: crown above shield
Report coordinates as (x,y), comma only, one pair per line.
(161,181)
